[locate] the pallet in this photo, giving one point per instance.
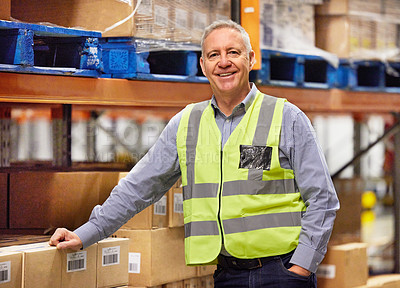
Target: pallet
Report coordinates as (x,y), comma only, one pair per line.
(34,48)
(121,59)
(370,75)
(294,70)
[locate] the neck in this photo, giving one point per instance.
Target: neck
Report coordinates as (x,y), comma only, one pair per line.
(228,101)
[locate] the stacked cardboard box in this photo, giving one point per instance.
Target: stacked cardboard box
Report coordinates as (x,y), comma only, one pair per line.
(383,281)
(40,265)
(344,266)
(56,199)
(286,24)
(356,28)
(347,226)
(156,250)
(5,9)
(175,20)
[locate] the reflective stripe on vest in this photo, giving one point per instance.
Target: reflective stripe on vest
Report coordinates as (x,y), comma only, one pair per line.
(257,211)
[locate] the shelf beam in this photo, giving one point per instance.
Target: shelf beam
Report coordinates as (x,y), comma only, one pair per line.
(21,88)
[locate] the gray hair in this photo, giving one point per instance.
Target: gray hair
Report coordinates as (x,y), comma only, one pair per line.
(226,24)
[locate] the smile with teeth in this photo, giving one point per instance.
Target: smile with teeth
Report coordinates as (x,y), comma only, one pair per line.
(226,74)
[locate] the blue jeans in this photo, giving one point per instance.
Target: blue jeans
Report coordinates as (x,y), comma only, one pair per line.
(273,274)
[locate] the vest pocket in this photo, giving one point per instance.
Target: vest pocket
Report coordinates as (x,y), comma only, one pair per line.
(255,157)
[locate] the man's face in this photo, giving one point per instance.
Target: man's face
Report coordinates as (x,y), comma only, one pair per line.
(226,62)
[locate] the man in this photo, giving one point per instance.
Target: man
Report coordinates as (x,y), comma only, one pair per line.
(258,198)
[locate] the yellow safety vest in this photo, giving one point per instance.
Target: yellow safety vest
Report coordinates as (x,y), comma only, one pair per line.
(238,196)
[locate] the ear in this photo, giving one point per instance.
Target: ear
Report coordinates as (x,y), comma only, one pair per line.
(252,58)
(202,66)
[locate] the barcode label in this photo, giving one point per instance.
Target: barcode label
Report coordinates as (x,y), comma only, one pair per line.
(5,272)
(326,271)
(178,203)
(160,207)
(134,263)
(76,261)
(111,256)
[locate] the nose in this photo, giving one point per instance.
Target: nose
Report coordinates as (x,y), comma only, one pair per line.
(224,60)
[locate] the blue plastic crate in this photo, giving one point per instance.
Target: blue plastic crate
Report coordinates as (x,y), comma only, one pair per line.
(121,59)
(294,70)
(34,48)
(392,77)
(361,75)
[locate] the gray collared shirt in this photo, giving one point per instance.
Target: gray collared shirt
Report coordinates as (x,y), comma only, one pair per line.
(159,169)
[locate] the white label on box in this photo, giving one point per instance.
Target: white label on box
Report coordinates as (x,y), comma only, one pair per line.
(5,272)
(181,18)
(134,263)
(178,203)
(111,256)
(76,261)
(160,207)
(327,271)
(161,15)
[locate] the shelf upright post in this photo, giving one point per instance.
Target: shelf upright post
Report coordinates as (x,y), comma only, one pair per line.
(396,197)
(5,148)
(61,125)
(91,137)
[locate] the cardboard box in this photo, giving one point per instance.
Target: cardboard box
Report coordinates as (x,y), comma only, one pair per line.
(3,193)
(10,269)
(383,281)
(345,7)
(79,269)
(344,266)
(41,265)
(112,262)
(62,199)
(92,15)
(348,217)
(178,284)
(175,207)
(206,270)
(5,9)
(191,283)
(154,216)
(156,256)
(12,240)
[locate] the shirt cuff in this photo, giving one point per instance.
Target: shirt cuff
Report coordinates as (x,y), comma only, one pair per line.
(88,234)
(307,258)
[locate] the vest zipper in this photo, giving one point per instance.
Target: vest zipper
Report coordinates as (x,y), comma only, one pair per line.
(219,202)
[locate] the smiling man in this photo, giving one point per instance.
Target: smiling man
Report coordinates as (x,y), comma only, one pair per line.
(258,198)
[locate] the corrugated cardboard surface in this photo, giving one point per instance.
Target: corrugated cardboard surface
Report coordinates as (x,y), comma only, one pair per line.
(41,265)
(3,192)
(117,274)
(50,199)
(347,264)
(15,261)
(162,256)
(93,15)
(175,207)
(84,278)
(5,9)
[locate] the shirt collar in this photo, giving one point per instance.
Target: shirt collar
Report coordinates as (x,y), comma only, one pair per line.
(246,103)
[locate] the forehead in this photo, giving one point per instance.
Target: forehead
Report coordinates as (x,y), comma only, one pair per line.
(222,38)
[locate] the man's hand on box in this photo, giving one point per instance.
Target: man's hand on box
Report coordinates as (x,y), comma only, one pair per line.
(65,239)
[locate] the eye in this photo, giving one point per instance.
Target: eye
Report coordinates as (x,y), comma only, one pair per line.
(234,52)
(212,55)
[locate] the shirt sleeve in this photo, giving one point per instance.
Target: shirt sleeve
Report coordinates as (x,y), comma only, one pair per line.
(303,153)
(144,185)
